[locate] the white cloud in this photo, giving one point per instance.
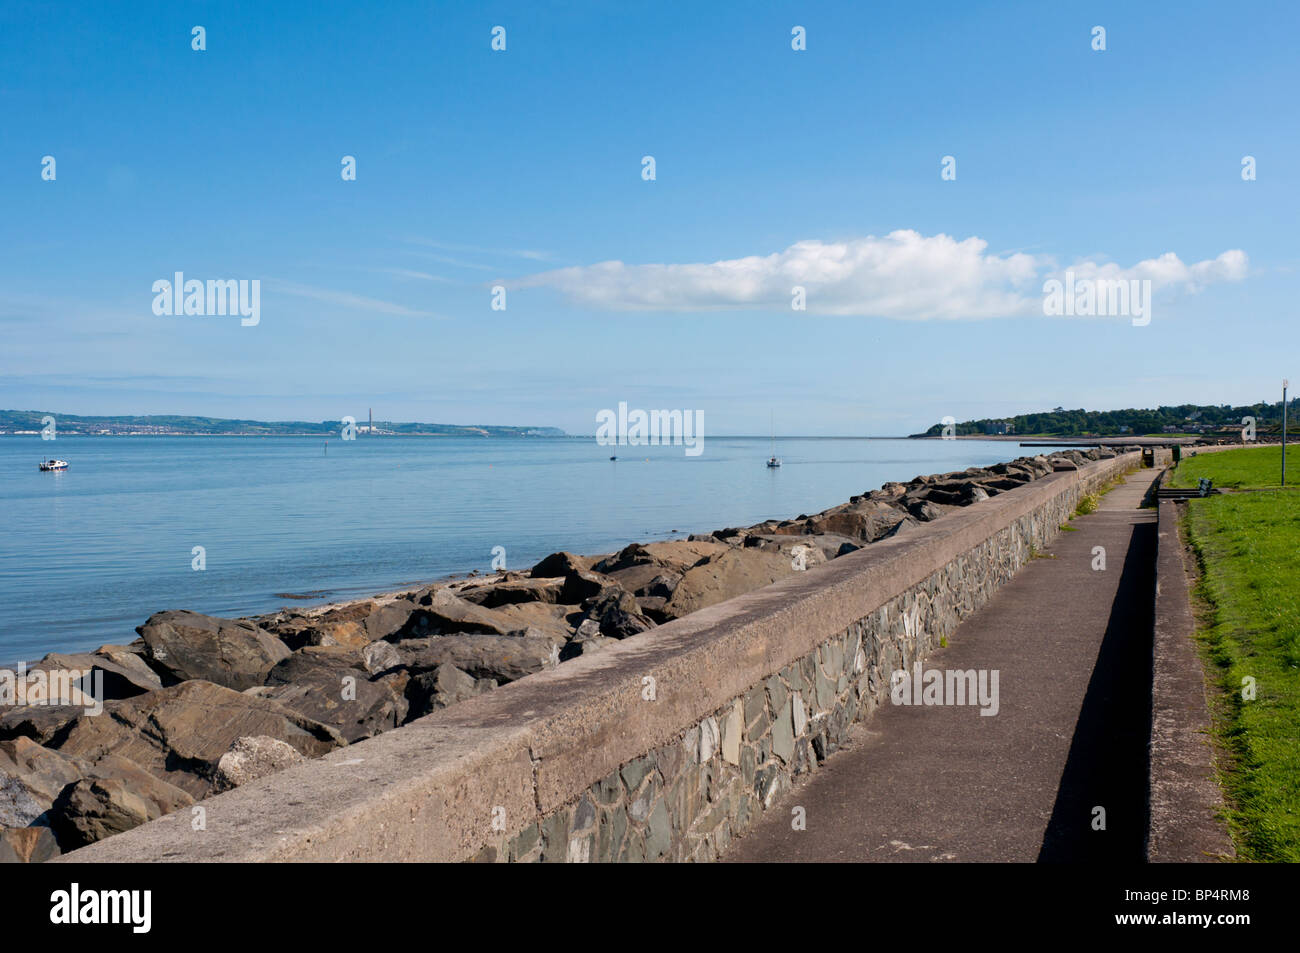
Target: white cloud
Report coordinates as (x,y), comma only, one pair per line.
(903,275)
(1168,271)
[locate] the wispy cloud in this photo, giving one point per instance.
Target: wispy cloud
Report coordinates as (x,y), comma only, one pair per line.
(344,299)
(903,275)
(526,253)
(415,275)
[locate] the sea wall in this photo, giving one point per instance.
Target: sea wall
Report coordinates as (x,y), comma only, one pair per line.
(662,747)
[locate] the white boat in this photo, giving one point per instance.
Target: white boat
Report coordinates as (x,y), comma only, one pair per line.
(773,461)
(54,464)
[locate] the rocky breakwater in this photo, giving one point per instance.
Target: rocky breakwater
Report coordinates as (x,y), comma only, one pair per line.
(199,704)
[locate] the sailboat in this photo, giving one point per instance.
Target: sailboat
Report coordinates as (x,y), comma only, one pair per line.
(773,461)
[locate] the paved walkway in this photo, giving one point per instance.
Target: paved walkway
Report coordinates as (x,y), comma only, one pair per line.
(1073,649)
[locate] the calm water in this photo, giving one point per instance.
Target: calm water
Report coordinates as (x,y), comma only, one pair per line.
(88,554)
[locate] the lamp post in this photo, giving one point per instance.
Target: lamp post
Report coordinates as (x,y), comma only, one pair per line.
(1284,383)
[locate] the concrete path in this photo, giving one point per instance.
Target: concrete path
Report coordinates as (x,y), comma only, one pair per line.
(1072,646)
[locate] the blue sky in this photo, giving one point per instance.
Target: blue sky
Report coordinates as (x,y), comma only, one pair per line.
(523,168)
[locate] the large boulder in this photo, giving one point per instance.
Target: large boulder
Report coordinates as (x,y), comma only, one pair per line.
(445,685)
(729,574)
(583,585)
(676,555)
(867,521)
(234,653)
(803,551)
(97,807)
(555,621)
(251,758)
(180,733)
(647,579)
(501,657)
(122,676)
(330,685)
(440,611)
(616,612)
(493,595)
(561,564)
(31,777)
(37,722)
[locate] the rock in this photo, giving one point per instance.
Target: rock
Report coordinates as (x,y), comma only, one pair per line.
(731,573)
(388,619)
(866,521)
(115,794)
(380,657)
(652,607)
(586,641)
(187,645)
(330,685)
(28,845)
(925,511)
(561,564)
(495,595)
(1002,484)
(341,625)
(122,676)
(547,619)
(583,585)
(180,733)
(501,657)
(441,611)
(37,722)
(616,611)
(949,494)
(445,685)
(647,579)
(31,777)
(17,806)
(806,551)
(590,646)
(251,758)
(676,556)
(92,809)
(40,686)
(973,493)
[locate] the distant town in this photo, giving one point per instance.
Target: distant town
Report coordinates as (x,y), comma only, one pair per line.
(33,422)
(1174,420)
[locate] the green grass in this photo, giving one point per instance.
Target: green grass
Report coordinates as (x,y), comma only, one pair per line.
(1248,546)
(1249,467)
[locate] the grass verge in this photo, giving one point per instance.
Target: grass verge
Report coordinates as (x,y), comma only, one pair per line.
(1247,547)
(1247,468)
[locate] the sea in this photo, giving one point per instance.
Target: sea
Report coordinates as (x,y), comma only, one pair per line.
(234,525)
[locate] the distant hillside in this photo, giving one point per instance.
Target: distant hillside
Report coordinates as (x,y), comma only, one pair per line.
(1184,418)
(20,420)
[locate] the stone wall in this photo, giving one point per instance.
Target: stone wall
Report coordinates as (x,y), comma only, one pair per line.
(663,747)
(687,799)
